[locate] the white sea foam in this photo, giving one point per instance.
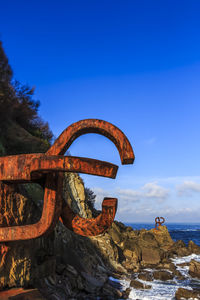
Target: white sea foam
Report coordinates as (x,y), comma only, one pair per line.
(185,259)
(159,291)
(183,230)
(163,290)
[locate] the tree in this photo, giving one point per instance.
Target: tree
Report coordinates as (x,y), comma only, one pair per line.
(90,198)
(18,106)
(6,89)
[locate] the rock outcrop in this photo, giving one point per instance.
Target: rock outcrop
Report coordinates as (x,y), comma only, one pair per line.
(194,268)
(22,262)
(182,293)
(139,285)
(64,264)
(163,275)
(74,194)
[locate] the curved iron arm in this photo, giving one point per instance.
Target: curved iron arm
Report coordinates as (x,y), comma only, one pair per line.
(35,167)
(63,142)
(93,226)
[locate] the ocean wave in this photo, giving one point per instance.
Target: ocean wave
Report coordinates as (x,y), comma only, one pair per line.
(183,230)
(159,291)
(185,259)
(163,290)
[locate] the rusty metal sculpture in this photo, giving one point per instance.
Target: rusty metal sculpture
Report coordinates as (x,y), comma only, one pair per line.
(159,221)
(48,168)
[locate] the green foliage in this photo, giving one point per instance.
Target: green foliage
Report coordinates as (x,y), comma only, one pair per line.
(34,191)
(17,106)
(90,198)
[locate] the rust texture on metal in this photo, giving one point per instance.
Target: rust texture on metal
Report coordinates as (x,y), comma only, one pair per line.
(49,168)
(93,226)
(159,221)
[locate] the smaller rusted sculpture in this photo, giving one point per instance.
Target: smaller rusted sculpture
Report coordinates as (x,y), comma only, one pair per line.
(159,221)
(47,169)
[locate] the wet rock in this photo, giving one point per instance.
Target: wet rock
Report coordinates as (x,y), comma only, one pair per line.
(194,268)
(146,276)
(169,266)
(110,291)
(178,274)
(125,294)
(163,275)
(139,285)
(182,293)
(185,264)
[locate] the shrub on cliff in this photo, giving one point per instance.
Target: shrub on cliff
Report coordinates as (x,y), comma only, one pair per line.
(21,128)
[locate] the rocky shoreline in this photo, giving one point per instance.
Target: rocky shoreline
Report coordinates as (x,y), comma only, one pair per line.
(64,265)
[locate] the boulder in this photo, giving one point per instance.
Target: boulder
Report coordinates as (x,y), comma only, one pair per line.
(163,237)
(194,268)
(125,294)
(139,285)
(109,291)
(184,264)
(131,255)
(163,275)
(178,274)
(166,265)
(115,233)
(150,256)
(131,266)
(179,249)
(182,293)
(193,248)
(146,276)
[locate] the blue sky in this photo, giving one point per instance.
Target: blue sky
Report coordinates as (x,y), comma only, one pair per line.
(135,64)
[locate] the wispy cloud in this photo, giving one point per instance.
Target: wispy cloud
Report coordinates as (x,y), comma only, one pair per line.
(129,194)
(153,199)
(150,190)
(153,190)
(188,188)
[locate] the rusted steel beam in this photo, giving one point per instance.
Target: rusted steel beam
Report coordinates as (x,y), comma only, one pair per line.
(50,214)
(27,167)
(49,167)
(104,128)
(159,221)
(93,226)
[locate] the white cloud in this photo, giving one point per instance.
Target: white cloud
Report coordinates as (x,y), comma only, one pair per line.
(151,200)
(188,187)
(153,190)
(129,196)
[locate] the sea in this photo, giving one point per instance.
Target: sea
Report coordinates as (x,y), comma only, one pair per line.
(166,290)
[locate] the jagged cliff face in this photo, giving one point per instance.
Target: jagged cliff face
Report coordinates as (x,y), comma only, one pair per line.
(23,262)
(74,194)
